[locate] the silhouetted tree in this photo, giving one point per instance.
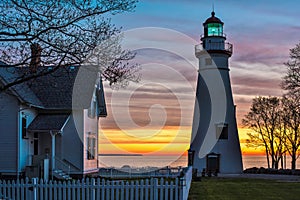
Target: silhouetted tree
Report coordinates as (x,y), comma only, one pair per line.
(62,33)
(265,120)
(276,121)
(291,81)
(291,117)
(291,103)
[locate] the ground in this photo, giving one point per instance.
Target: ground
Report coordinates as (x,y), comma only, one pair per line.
(236,188)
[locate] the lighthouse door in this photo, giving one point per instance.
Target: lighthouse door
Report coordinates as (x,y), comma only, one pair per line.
(213,163)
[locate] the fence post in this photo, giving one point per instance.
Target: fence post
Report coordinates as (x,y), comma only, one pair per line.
(18,185)
(137,186)
(103,189)
(69,189)
(151,188)
(83,189)
(117,196)
(161,188)
(131,190)
(55,186)
(127,190)
(97,188)
(155,188)
(64,190)
(41,189)
(78,187)
(87,186)
(22,189)
(177,188)
(167,190)
(93,186)
(147,189)
(34,185)
(123,189)
(171,189)
(50,189)
(142,186)
(8,188)
(112,187)
(108,183)
(60,188)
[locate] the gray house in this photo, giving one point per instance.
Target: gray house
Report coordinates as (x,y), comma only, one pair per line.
(43,130)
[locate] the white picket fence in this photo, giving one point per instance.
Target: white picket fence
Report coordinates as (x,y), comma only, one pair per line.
(100,189)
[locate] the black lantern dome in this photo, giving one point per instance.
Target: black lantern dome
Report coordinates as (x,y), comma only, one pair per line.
(213,26)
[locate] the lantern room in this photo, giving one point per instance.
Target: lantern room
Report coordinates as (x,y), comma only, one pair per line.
(213,26)
(213,39)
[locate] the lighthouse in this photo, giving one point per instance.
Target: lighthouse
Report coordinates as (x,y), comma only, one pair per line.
(215,146)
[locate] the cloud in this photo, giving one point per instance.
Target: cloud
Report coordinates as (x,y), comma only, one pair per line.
(262,33)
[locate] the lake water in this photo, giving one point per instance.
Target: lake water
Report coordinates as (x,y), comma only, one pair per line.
(261,161)
(142,161)
(173,161)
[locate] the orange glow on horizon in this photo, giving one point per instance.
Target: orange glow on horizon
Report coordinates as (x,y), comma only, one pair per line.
(168,141)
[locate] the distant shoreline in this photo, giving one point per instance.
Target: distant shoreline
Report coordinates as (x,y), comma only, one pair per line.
(120,154)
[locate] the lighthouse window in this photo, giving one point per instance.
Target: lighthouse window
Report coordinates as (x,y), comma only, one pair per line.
(91,146)
(215,29)
(222,131)
(208,61)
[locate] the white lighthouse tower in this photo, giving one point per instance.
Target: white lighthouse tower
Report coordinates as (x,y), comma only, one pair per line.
(215,143)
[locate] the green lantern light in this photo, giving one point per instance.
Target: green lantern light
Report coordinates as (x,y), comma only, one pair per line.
(214,29)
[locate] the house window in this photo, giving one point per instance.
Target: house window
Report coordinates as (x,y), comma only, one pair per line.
(92,109)
(23,125)
(35,144)
(91,147)
(222,131)
(208,61)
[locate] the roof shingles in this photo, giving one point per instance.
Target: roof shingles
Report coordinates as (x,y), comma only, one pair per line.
(48,122)
(55,90)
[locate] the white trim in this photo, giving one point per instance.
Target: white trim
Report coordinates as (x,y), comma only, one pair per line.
(62,128)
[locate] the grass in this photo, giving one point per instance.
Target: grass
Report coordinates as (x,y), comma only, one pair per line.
(246,189)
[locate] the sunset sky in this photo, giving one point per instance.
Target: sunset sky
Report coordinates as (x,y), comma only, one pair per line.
(155,115)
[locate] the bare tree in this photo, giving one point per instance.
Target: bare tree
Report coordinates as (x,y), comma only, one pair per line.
(61,33)
(291,116)
(275,121)
(291,81)
(265,120)
(291,104)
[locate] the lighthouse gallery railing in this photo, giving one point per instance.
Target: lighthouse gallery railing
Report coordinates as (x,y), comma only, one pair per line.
(214,46)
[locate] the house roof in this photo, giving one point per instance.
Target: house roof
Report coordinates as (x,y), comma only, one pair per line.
(48,122)
(22,91)
(55,90)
